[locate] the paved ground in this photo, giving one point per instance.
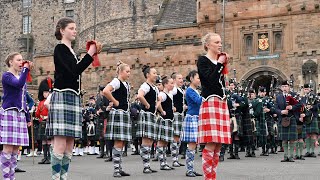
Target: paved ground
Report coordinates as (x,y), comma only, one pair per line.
(260,168)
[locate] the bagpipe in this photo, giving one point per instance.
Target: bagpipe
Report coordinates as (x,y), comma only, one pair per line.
(290,101)
(311,100)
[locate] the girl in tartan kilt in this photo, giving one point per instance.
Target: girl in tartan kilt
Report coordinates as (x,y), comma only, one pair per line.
(147,122)
(190,123)
(287,108)
(310,117)
(65,115)
(178,106)
(14,115)
(214,120)
(119,122)
(165,122)
(45,88)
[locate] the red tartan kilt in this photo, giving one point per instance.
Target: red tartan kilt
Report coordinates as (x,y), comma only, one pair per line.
(214,122)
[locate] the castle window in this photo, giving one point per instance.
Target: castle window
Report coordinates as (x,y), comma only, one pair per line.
(69,1)
(26,3)
(26,24)
(70,13)
(277,41)
(248,43)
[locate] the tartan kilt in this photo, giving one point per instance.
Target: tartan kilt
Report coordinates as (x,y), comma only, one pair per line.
(165,131)
(147,125)
(290,132)
(118,126)
(270,122)
(177,124)
(65,115)
(302,134)
(247,135)
(190,128)
(41,136)
(214,121)
(99,127)
(312,128)
(13,128)
(261,127)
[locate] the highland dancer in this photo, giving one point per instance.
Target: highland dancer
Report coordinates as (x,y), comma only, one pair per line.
(214,120)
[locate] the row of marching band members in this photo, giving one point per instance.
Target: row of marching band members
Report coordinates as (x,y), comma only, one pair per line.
(289,120)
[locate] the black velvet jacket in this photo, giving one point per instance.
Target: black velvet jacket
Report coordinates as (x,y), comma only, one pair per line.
(68,69)
(212,81)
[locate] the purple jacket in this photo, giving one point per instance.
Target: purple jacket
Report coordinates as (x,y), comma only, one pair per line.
(14,91)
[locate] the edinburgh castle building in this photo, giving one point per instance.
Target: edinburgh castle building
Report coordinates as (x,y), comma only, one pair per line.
(265,38)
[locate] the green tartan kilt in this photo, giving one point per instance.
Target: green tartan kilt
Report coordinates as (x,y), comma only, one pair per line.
(177,124)
(301,131)
(261,126)
(270,123)
(118,126)
(165,131)
(290,132)
(312,128)
(147,125)
(247,136)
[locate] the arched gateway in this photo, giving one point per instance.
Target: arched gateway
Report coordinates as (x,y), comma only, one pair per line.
(262,76)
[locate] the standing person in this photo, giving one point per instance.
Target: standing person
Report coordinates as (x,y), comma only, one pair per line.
(14,116)
(147,123)
(178,103)
(119,123)
(45,88)
(288,111)
(101,107)
(190,123)
(310,118)
(165,122)
(260,112)
(214,120)
(65,120)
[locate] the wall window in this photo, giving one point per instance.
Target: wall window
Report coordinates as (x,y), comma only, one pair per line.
(26,3)
(70,13)
(26,26)
(69,1)
(248,44)
(277,41)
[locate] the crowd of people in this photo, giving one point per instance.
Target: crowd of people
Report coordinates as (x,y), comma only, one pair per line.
(169,115)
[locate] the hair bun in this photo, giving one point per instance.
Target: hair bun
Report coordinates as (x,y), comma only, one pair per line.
(144,68)
(164,77)
(119,63)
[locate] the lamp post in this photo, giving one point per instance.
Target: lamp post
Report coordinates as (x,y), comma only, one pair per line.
(223,23)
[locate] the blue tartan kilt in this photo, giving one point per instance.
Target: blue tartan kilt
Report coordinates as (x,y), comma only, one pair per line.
(290,132)
(165,131)
(190,128)
(312,128)
(177,124)
(119,126)
(65,115)
(147,125)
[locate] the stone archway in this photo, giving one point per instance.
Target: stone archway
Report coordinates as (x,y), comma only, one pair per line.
(262,76)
